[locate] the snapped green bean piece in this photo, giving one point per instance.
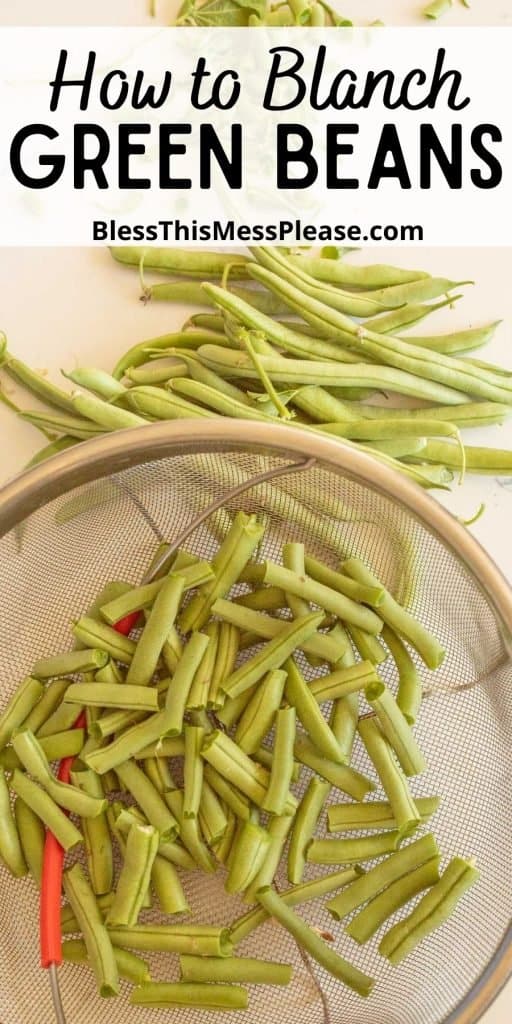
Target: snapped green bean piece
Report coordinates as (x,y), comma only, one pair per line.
(11,852)
(19,707)
(96,938)
(132,886)
(35,762)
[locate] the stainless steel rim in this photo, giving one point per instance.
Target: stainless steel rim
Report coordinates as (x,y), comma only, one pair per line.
(117,451)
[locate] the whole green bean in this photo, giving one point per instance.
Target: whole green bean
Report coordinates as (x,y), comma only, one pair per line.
(73,426)
(11,852)
(106,415)
(236,550)
(37,384)
(398,618)
(34,760)
(54,448)
(409,681)
(189,262)
(368,920)
(422,290)
(375,815)
(490,461)
(249,852)
(46,809)
(459,341)
(272,655)
(311,942)
(337,272)
(298,894)
(299,695)
(101,383)
(99,636)
(148,799)
(138,354)
(158,371)
(131,967)
(96,938)
(433,909)
(341,776)
(195,294)
(396,728)
(391,776)
(31,832)
(19,707)
(98,846)
(257,718)
(195,939)
(282,763)
(235,969)
(70,663)
(326,646)
(159,404)
(210,997)
(304,826)
(351,851)
(202,375)
(132,886)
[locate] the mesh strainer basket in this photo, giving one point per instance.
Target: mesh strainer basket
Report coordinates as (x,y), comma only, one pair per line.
(95,513)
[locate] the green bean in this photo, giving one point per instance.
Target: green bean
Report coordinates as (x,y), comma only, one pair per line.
(490,461)
(158,772)
(132,886)
(337,272)
(98,846)
(98,944)
(375,815)
(192,770)
(37,384)
(144,596)
(341,776)
(344,584)
(168,888)
(343,723)
(157,372)
(304,826)
(195,939)
(299,695)
(60,744)
(114,722)
(368,647)
(111,674)
(399,448)
(199,691)
(278,829)
(73,426)
(11,851)
(248,855)
(272,655)
(189,262)
(111,590)
(293,559)
(297,372)
(318,593)
(392,778)
(396,728)
(353,304)
(196,294)
(108,416)
(397,895)
(131,967)
(170,851)
(224,846)
(460,341)
(298,894)
(19,707)
(54,448)
(170,746)
(422,290)
(250,778)
(202,375)
(268,599)
(398,618)
(102,637)
(159,404)
(210,997)
(313,944)
(395,867)
(34,760)
(343,682)
(225,660)
(68,922)
(31,834)
(437,8)
(409,682)
(105,695)
(351,851)
(138,354)
(257,718)
(148,799)
(178,692)
(236,550)
(325,407)
(46,809)
(212,815)
(161,618)
(70,663)
(235,969)
(207,321)
(434,908)
(99,382)
(282,764)
(193,840)
(326,646)
(236,801)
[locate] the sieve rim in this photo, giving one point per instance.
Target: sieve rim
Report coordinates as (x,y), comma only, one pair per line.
(114,452)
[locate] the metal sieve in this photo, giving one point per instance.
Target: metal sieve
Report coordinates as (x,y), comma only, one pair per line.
(95,513)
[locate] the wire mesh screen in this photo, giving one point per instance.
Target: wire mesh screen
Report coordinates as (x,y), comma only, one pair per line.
(51,568)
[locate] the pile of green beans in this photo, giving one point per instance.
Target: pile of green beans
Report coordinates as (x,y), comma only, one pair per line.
(294,13)
(207,738)
(305,340)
